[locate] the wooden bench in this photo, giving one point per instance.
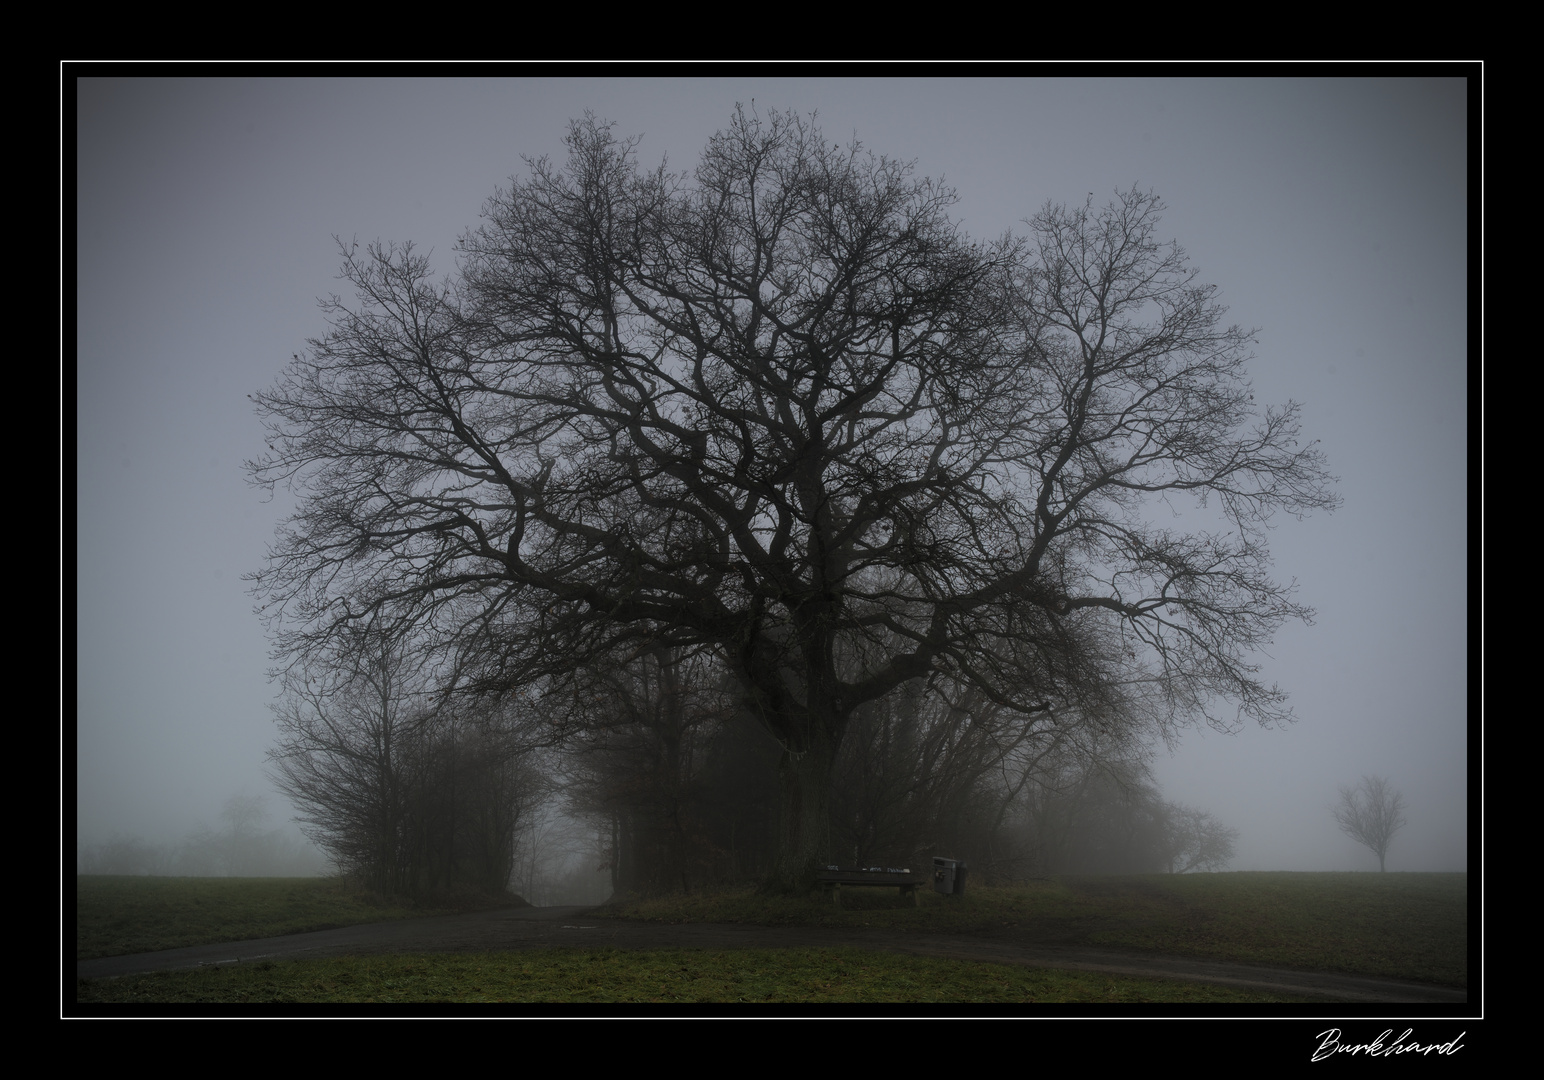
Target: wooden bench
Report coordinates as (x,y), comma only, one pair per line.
(833,880)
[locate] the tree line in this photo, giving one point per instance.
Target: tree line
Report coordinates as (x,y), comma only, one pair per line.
(679,472)
(678,786)
(241,847)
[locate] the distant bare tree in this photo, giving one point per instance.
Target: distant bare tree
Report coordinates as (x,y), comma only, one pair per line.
(245,814)
(1197,840)
(1371,813)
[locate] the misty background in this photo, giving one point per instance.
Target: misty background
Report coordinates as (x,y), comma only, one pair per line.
(1332,214)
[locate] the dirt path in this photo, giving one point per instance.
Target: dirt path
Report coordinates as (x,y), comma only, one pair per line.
(567,927)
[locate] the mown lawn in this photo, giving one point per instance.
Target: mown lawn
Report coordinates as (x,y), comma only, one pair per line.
(120,916)
(663,976)
(1397,926)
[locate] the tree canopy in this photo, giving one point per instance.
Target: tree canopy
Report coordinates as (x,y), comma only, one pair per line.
(781,409)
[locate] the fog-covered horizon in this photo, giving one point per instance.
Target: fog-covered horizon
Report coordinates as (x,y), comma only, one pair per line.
(1331,213)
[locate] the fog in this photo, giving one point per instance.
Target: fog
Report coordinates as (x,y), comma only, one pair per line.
(1332,214)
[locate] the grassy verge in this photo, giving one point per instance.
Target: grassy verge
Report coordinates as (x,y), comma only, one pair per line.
(665,976)
(1397,926)
(119,916)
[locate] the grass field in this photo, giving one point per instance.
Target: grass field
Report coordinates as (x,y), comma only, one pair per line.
(1401,926)
(120,916)
(1396,926)
(656,976)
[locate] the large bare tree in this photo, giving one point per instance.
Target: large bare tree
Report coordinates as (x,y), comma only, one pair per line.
(1371,813)
(784,409)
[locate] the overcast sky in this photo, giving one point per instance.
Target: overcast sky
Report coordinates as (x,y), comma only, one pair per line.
(1330,213)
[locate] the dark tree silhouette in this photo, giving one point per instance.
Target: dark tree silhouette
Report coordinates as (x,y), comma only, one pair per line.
(783,409)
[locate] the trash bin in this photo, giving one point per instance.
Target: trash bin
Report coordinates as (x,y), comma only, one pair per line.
(949,876)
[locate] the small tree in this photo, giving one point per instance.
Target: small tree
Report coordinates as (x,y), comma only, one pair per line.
(1197,840)
(1371,814)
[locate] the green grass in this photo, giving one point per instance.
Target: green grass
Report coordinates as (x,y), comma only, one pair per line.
(1400,926)
(119,916)
(1397,926)
(664,976)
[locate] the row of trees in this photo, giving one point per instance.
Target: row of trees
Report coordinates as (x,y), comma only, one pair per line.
(881,490)
(684,786)
(678,787)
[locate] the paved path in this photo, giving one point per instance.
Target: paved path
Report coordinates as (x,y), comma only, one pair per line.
(568,927)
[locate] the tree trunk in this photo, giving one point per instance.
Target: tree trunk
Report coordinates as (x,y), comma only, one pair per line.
(804,833)
(616,856)
(797,706)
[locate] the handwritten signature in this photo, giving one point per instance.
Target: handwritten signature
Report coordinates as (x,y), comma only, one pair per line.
(1379,1047)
